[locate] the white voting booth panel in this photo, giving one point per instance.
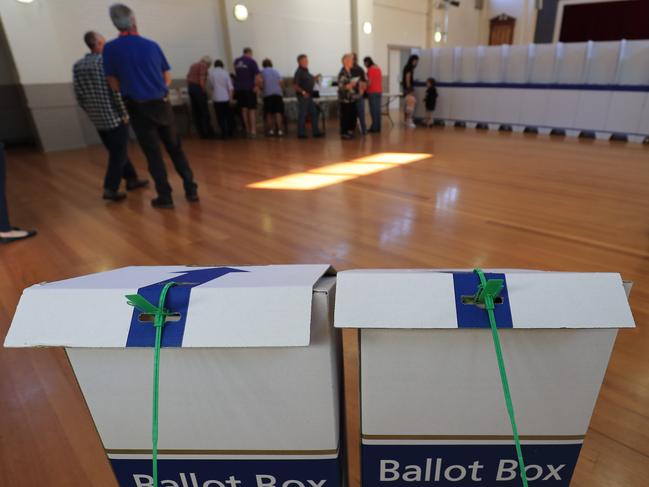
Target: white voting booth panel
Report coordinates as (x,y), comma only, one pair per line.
(600,87)
(432,405)
(249,374)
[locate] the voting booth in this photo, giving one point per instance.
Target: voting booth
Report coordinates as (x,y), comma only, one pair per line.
(249,371)
(432,406)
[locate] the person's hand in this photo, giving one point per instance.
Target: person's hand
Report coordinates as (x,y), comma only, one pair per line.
(305,94)
(125,119)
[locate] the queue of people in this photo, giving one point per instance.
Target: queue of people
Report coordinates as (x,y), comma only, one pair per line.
(125,83)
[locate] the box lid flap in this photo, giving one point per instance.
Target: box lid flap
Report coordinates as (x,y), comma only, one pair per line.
(256,306)
(433,299)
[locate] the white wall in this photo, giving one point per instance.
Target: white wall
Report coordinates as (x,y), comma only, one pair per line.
(397,23)
(524,13)
(46,36)
(280,30)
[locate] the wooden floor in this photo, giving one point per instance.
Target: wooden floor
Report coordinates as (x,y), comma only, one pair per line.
(482,199)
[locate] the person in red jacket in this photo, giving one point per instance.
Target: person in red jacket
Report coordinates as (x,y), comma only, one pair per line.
(374,92)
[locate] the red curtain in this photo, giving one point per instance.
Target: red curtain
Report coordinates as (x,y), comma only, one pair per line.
(605,21)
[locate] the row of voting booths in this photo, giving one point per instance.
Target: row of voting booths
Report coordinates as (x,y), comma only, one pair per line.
(592,88)
(251,372)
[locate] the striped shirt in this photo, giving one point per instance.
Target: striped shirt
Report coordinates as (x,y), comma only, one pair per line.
(104,107)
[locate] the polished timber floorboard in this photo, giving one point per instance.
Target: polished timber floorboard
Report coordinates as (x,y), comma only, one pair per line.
(481,199)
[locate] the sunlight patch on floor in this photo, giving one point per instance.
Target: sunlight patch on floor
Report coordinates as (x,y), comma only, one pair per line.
(340,171)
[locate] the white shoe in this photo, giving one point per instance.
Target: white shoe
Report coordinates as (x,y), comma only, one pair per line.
(411,125)
(280,133)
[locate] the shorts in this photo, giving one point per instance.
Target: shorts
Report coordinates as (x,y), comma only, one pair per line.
(273,104)
(246,99)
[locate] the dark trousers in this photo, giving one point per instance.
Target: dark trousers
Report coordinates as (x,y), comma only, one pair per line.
(4,212)
(200,110)
(375,100)
(306,106)
(347,118)
(360,113)
(153,122)
(119,165)
(225,118)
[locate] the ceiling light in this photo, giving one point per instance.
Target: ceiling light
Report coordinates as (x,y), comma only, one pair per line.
(240,12)
(367,27)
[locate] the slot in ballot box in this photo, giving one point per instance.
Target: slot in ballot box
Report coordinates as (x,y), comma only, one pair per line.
(248,379)
(433,411)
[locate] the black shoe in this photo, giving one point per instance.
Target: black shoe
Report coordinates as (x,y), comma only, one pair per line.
(302,137)
(111,195)
(162,203)
(318,135)
(27,234)
(192,197)
(132,184)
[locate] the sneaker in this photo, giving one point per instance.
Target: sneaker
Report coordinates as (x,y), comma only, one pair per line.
(318,135)
(280,133)
(192,197)
(411,125)
(347,136)
(270,133)
(133,184)
(111,195)
(162,203)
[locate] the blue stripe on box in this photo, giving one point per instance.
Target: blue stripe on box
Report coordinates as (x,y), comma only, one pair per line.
(245,472)
(479,465)
(143,334)
(471,316)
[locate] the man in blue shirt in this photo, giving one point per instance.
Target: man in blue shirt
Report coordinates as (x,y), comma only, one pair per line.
(246,86)
(138,68)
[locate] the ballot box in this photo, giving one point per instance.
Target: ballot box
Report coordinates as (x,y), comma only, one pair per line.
(249,371)
(433,411)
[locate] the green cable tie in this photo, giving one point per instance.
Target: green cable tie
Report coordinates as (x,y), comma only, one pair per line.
(487,291)
(160,315)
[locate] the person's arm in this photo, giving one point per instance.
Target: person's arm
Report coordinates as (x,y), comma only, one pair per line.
(113,82)
(409,80)
(78,93)
(230,89)
(298,89)
(167,78)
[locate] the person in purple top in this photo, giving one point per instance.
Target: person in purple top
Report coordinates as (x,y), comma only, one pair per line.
(246,86)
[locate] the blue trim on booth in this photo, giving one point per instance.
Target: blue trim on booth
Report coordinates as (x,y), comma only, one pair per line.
(541,86)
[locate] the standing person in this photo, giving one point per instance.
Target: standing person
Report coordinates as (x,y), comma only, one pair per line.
(303,82)
(347,97)
(408,85)
(138,68)
(273,98)
(431,100)
(374,92)
(222,97)
(246,84)
(8,233)
(105,109)
(361,86)
(196,79)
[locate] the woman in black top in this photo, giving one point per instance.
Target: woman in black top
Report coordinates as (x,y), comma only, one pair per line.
(347,96)
(408,74)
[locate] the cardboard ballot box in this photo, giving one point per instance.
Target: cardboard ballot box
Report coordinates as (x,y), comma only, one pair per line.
(432,406)
(248,380)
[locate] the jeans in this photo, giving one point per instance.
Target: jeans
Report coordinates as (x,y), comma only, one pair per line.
(225,118)
(200,110)
(119,165)
(360,113)
(306,105)
(375,100)
(4,213)
(347,117)
(153,122)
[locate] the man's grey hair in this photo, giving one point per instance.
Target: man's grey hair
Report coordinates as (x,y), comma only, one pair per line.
(122,16)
